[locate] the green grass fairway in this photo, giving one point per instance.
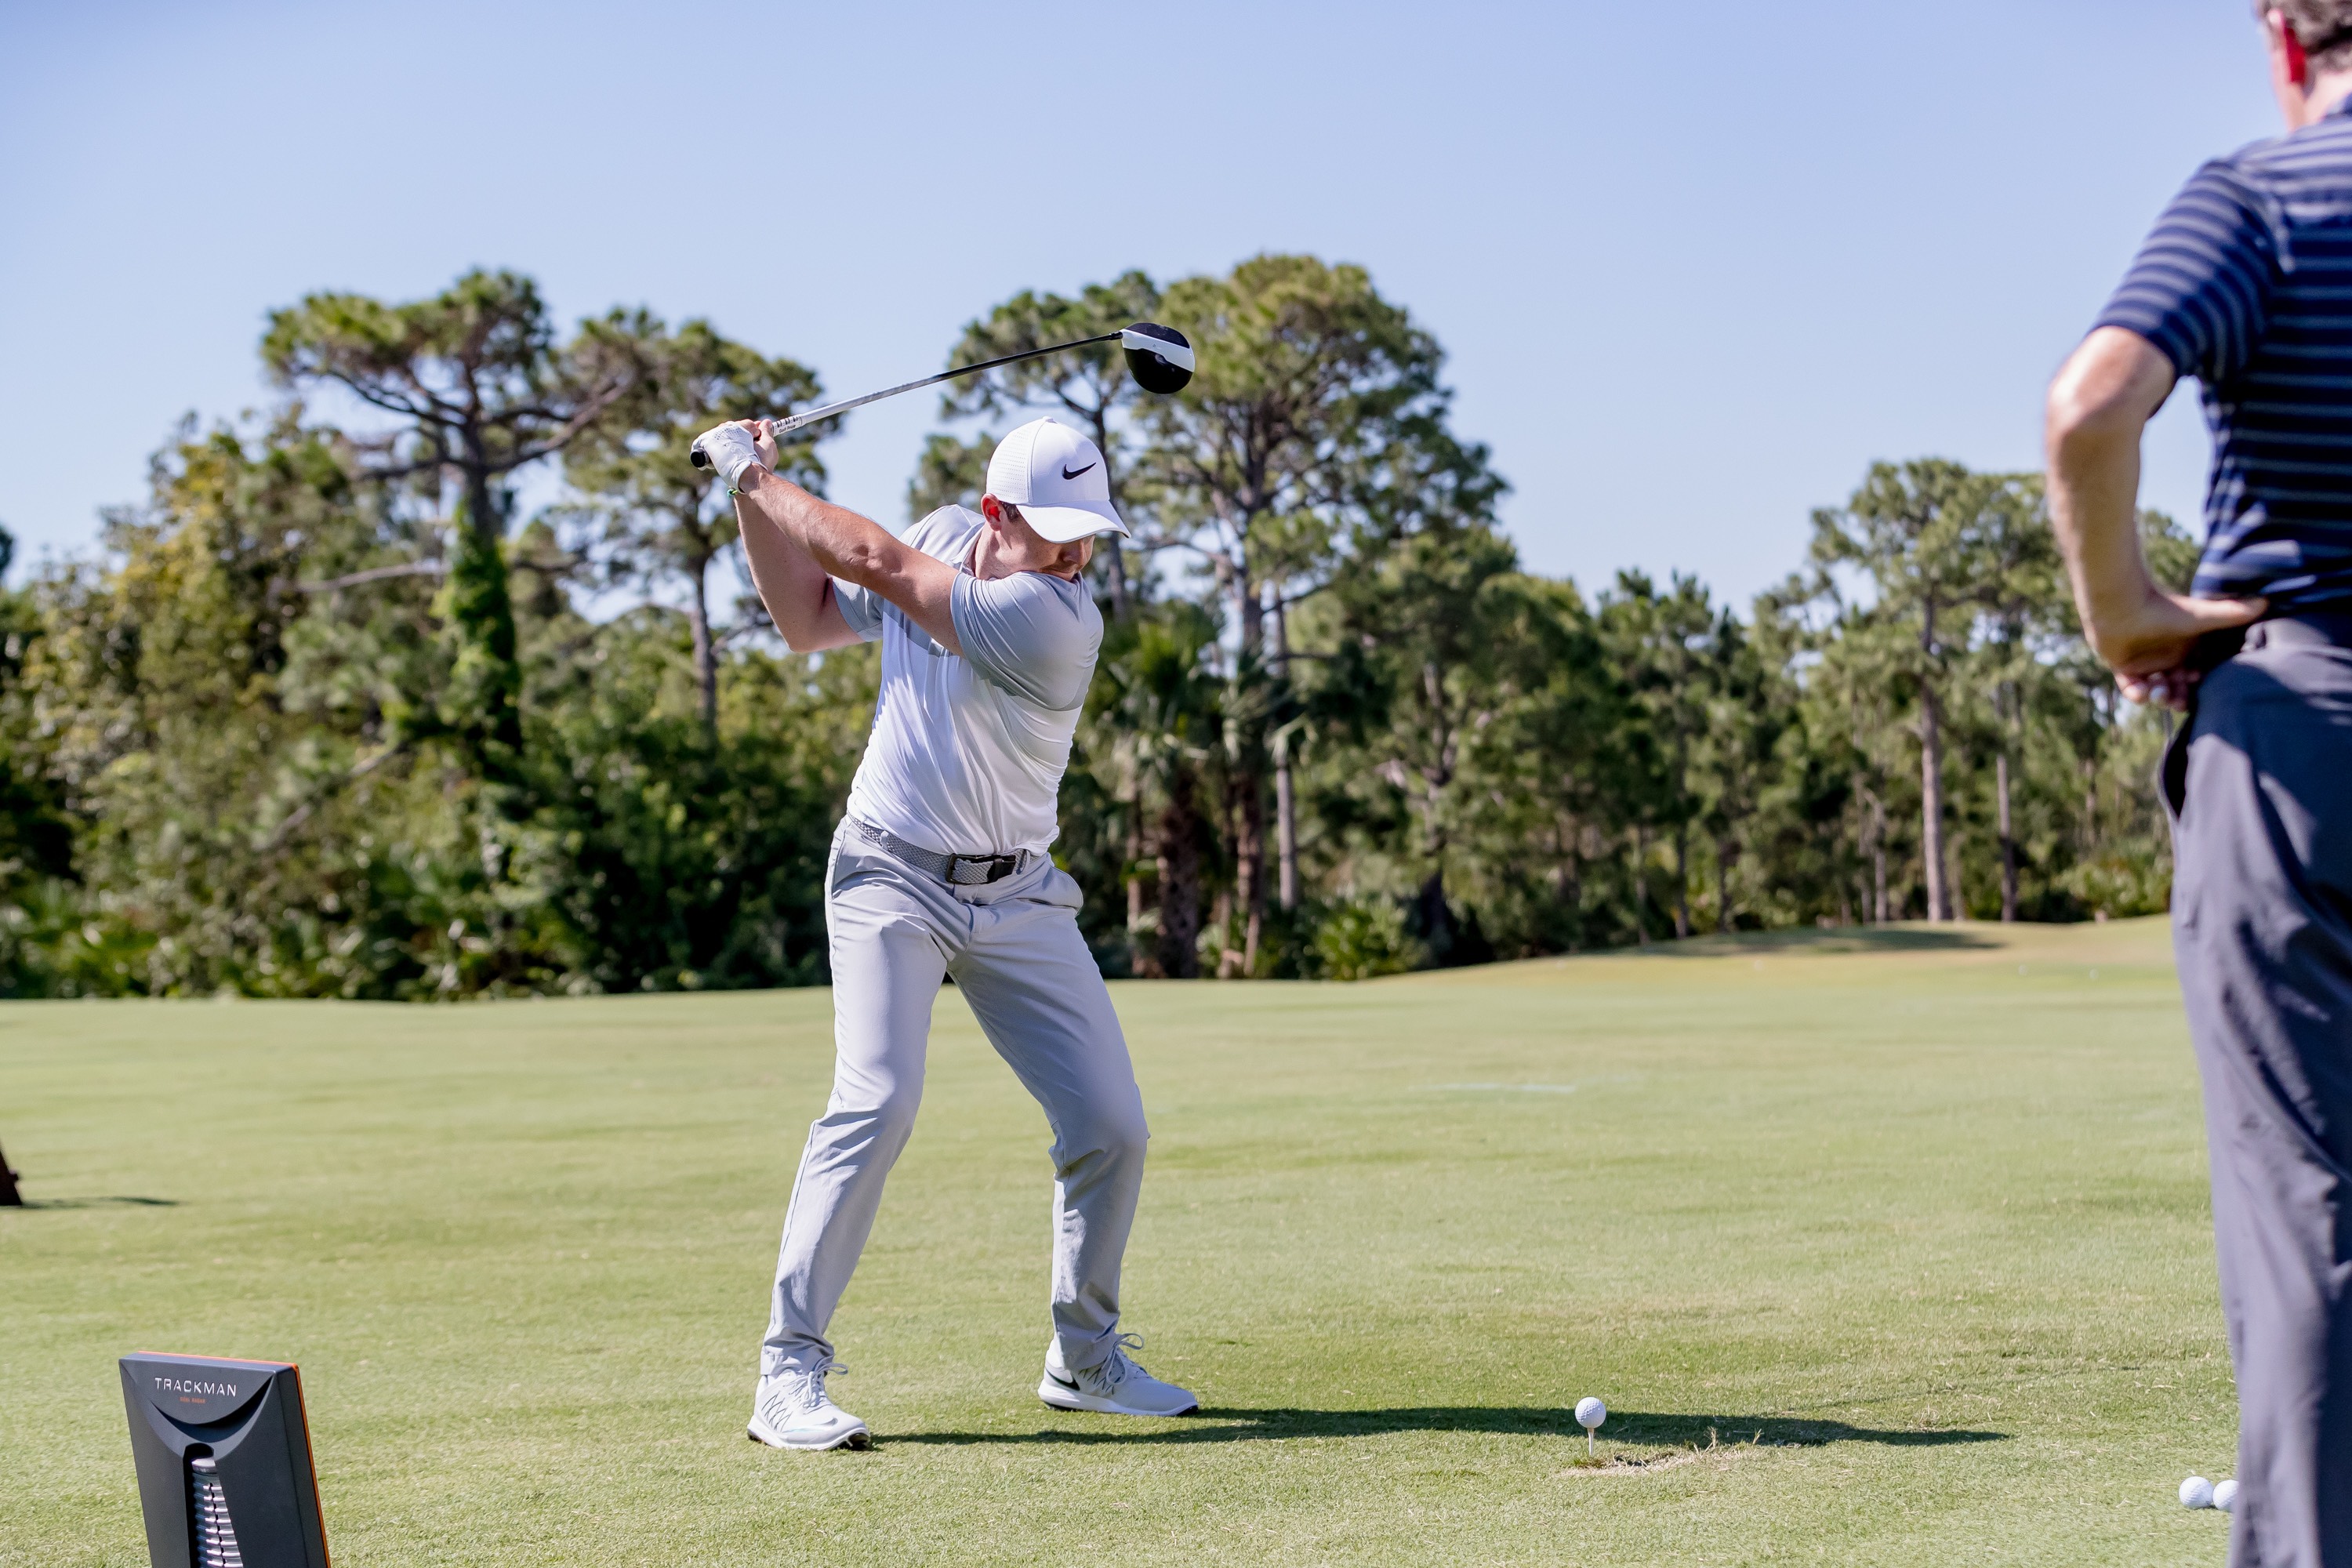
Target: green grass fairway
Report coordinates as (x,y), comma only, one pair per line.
(1883,1249)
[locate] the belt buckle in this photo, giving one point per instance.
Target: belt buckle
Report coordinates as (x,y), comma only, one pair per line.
(996,867)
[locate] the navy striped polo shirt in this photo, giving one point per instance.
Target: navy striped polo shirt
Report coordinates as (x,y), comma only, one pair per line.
(2246,284)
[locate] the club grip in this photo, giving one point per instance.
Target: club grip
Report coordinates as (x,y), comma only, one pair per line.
(701,458)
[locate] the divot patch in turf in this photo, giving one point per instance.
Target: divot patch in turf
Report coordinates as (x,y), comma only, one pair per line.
(1619,1466)
(1656,1463)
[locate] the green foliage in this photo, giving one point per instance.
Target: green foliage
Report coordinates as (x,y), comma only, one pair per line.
(36,830)
(1154,732)
(1362,937)
(662,518)
(2171,554)
(384,791)
(949,472)
(318,720)
(473,376)
(482,706)
(477,387)
(671,862)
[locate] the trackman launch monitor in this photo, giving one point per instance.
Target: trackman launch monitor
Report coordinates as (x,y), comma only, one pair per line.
(223,1455)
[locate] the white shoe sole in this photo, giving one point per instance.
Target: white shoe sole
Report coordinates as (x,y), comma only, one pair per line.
(1069,1396)
(856,1438)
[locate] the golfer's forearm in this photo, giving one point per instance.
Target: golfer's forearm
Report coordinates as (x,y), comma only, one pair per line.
(840,543)
(795,588)
(2099,406)
(857,550)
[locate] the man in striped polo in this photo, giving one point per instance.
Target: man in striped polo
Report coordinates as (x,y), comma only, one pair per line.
(2246,285)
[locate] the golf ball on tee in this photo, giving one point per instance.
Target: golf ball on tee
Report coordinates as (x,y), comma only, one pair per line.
(1590,1413)
(2225,1496)
(2197,1492)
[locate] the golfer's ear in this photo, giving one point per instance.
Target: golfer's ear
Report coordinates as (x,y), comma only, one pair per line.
(992,508)
(2284,39)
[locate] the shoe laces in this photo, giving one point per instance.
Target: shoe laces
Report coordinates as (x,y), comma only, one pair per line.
(803,1387)
(1119,1364)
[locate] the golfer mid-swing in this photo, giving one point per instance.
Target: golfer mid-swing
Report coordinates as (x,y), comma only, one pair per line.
(939,869)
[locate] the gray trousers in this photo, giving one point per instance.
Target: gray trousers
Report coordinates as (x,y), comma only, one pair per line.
(2260,783)
(1015,952)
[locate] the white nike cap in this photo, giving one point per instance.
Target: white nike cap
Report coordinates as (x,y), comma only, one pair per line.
(1056,476)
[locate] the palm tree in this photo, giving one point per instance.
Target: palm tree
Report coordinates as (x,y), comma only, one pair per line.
(1162,701)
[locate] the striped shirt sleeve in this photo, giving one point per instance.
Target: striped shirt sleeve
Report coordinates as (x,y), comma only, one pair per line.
(2201,288)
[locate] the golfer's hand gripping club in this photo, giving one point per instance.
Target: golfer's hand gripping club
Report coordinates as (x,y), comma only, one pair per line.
(728,448)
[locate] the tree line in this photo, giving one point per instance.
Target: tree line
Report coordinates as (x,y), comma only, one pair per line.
(328,715)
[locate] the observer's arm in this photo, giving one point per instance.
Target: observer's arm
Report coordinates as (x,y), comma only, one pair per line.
(840,543)
(2099,404)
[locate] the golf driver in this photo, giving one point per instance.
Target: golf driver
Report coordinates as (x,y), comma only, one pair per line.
(1160,358)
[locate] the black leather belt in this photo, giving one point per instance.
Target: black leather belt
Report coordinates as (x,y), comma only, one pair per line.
(956,870)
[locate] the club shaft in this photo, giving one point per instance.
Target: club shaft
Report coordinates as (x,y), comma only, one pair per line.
(830,409)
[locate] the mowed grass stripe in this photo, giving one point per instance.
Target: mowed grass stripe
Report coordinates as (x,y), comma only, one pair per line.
(1889,1248)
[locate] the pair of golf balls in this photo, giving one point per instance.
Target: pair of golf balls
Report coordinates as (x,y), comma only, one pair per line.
(2199,1492)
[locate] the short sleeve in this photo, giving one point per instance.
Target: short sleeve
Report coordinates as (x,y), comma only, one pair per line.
(861,607)
(2201,288)
(1035,635)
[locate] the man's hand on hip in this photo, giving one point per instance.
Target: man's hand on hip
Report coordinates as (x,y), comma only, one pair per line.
(2150,644)
(2100,403)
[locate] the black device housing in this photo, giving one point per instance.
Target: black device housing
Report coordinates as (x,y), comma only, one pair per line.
(223,1450)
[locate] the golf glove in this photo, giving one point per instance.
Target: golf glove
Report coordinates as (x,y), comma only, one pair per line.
(731,449)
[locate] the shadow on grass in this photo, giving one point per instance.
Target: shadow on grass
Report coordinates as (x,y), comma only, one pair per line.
(1781,1431)
(99,1203)
(1833,939)
(1216,1423)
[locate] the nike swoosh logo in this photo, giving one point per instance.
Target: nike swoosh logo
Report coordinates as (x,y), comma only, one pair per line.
(1074,473)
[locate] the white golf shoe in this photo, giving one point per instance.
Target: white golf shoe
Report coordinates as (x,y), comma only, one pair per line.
(1117,1387)
(791,1410)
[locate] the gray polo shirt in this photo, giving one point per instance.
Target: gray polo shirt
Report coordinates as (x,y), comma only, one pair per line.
(967,753)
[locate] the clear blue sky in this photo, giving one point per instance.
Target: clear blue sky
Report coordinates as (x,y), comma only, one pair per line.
(1696,266)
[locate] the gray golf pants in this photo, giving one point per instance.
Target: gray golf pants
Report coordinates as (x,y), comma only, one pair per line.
(2262,785)
(1015,952)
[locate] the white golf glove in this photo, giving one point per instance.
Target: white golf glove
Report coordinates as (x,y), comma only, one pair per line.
(731,449)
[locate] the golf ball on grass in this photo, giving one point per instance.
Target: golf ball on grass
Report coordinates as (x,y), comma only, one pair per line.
(2225,1496)
(1590,1414)
(2197,1492)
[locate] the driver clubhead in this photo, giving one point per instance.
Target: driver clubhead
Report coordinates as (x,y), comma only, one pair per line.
(1160,358)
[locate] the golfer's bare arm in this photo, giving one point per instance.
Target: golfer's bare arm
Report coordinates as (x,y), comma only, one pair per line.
(795,589)
(2100,403)
(797,544)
